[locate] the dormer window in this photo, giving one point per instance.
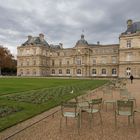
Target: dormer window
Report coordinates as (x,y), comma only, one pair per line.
(128,43)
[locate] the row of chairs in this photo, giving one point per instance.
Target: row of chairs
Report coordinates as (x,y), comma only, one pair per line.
(75,110)
(124,106)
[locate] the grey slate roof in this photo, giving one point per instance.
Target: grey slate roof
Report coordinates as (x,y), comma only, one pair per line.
(133,28)
(82,41)
(55,46)
(36,41)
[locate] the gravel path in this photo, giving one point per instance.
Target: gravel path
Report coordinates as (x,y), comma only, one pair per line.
(48,128)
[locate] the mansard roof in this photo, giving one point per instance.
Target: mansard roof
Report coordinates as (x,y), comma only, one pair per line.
(37,41)
(132,27)
(56,46)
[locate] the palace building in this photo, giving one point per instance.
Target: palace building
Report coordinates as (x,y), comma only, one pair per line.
(36,57)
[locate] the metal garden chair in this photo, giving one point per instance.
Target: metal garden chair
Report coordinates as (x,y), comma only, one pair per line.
(108,97)
(70,110)
(92,110)
(124,108)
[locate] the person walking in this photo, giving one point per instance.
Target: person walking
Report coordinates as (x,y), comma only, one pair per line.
(131,78)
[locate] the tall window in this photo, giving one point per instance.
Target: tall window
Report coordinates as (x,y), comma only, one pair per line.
(79,71)
(94,71)
(53,71)
(67,71)
(60,71)
(114,71)
(128,43)
(103,71)
(128,71)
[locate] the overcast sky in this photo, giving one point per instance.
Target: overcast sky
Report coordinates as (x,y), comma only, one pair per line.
(64,20)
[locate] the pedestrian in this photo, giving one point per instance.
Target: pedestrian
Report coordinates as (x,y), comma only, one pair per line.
(131,78)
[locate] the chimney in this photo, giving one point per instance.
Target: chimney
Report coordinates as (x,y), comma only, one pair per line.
(41,36)
(29,37)
(61,45)
(98,42)
(129,23)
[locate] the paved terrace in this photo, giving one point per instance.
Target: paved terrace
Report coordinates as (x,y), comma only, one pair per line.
(42,127)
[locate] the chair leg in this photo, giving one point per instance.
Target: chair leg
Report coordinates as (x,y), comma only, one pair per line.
(66,121)
(115,120)
(78,124)
(60,124)
(106,106)
(80,118)
(90,120)
(100,117)
(129,120)
(133,118)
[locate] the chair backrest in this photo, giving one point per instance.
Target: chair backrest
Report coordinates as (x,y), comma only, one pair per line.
(69,107)
(124,94)
(125,106)
(107,93)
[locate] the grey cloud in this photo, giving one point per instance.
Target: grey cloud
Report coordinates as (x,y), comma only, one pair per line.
(64,20)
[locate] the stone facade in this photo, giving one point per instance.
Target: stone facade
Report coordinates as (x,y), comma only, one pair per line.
(37,58)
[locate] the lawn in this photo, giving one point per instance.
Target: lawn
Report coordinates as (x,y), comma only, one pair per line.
(23,98)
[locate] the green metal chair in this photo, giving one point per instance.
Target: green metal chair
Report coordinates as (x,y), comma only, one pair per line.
(95,107)
(124,108)
(108,97)
(70,110)
(82,103)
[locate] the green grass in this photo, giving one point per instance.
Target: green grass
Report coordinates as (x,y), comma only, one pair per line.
(32,96)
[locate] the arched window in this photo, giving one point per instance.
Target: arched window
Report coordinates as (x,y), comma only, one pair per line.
(103,71)
(114,71)
(60,71)
(79,71)
(94,71)
(53,71)
(67,71)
